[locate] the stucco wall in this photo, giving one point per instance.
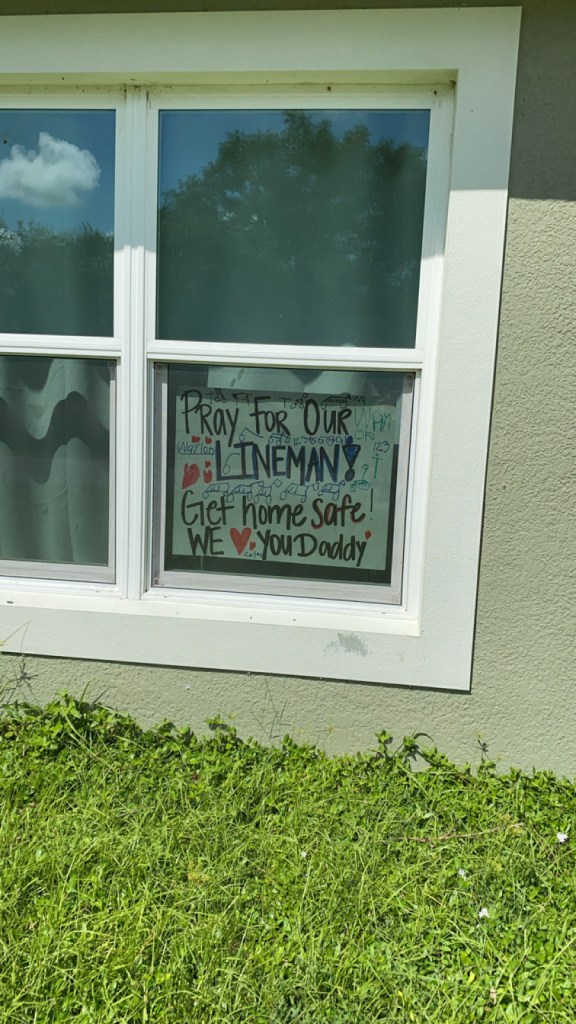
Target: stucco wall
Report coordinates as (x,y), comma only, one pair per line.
(520,704)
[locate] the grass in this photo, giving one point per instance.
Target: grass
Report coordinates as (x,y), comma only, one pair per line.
(148,876)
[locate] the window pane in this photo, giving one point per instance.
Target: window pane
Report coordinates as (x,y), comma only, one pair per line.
(283,473)
(54,460)
(291,227)
(56,221)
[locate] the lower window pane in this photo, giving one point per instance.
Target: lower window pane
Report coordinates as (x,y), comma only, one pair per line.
(284,474)
(55,461)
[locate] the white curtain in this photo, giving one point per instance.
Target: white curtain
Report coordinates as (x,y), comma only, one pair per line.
(54,459)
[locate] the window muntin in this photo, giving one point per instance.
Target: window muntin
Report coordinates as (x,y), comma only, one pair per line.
(56,466)
(57,221)
(283,476)
(291,226)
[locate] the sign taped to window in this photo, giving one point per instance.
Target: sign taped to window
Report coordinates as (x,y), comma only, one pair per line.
(275,472)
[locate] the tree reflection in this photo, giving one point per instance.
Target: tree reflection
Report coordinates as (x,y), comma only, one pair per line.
(293,237)
(297,236)
(55,283)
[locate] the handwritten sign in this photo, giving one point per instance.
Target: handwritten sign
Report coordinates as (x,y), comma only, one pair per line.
(281,483)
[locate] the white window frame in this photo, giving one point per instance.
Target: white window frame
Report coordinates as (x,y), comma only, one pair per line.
(427,641)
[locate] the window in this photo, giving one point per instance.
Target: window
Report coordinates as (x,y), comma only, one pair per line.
(247,324)
(287,230)
(56,461)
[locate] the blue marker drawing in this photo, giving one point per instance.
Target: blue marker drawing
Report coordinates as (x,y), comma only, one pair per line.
(351,452)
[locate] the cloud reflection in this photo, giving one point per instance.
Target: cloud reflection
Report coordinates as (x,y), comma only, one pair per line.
(52,175)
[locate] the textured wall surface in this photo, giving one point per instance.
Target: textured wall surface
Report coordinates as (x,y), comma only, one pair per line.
(521,701)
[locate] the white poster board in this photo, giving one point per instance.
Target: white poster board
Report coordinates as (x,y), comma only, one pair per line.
(298,484)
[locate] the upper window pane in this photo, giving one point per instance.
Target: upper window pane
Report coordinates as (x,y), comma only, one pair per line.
(291,227)
(57,221)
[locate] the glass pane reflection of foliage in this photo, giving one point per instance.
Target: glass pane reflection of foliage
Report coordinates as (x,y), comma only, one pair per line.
(297,236)
(55,282)
(56,221)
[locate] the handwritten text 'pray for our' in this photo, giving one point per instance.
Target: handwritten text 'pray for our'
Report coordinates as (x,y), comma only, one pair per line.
(268,461)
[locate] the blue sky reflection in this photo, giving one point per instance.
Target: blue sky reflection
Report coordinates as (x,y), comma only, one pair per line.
(57,168)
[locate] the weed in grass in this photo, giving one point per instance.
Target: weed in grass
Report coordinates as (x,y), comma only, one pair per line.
(148,876)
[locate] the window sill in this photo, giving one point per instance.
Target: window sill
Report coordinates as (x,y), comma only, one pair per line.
(187,630)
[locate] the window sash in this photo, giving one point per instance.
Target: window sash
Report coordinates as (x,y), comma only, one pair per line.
(439,100)
(111,348)
(79,99)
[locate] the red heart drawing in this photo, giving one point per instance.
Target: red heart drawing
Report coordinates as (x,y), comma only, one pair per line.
(368,534)
(207,476)
(208,440)
(252,545)
(240,539)
(195,438)
(191,475)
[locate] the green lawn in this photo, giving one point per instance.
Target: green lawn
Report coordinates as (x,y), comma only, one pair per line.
(148,876)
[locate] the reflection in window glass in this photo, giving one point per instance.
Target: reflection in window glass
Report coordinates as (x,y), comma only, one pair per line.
(283,473)
(291,227)
(54,460)
(56,221)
